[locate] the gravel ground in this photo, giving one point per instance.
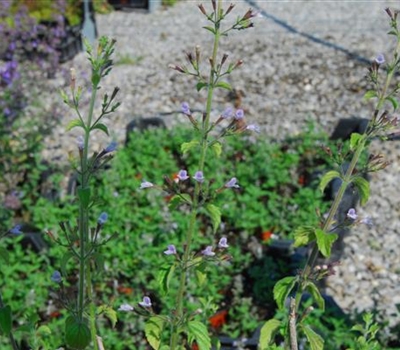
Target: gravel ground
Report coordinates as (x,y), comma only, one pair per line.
(304,60)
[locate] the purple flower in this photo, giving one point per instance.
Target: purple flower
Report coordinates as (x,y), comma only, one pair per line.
(351,214)
(185,108)
(227,113)
(171,250)
(56,277)
(146,302)
(208,251)
(182,175)
(125,307)
(367,221)
(223,243)
(232,183)
(198,176)
(81,142)
(239,114)
(16,230)
(146,184)
(102,218)
(380,59)
(111,147)
(253,127)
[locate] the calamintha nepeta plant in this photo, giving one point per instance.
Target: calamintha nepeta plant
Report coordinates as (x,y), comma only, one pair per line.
(83,240)
(322,237)
(197,193)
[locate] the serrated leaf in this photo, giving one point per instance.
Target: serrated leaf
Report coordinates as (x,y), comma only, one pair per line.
(315,340)
(354,140)
(370,94)
(75,123)
(224,85)
(176,200)
(187,146)
(362,186)
(164,277)
(63,262)
(282,290)
(5,319)
(316,294)
(109,312)
(100,126)
(84,196)
(198,331)
(267,333)
(217,148)
(201,85)
(303,235)
(327,178)
(215,214)
(4,256)
(153,330)
(211,29)
(393,101)
(325,241)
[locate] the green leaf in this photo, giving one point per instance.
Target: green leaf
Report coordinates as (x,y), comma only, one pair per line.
(217,148)
(393,101)
(325,241)
(63,262)
(109,312)
(282,289)
(327,178)
(101,127)
(224,85)
(211,29)
(198,331)
(201,274)
(4,256)
(303,235)
(215,215)
(370,94)
(176,200)
(164,277)
(75,123)
(354,140)
(267,333)
(5,319)
(43,331)
(316,294)
(315,340)
(362,187)
(187,146)
(84,196)
(153,330)
(200,85)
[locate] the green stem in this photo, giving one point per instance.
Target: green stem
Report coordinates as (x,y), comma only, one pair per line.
(83,211)
(92,308)
(195,207)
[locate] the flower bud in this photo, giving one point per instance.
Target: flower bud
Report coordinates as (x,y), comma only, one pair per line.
(230,8)
(202,9)
(224,58)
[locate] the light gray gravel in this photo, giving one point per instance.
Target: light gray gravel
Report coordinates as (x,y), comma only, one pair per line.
(286,80)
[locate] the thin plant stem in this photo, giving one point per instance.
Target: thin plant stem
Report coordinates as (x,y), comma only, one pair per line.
(194,211)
